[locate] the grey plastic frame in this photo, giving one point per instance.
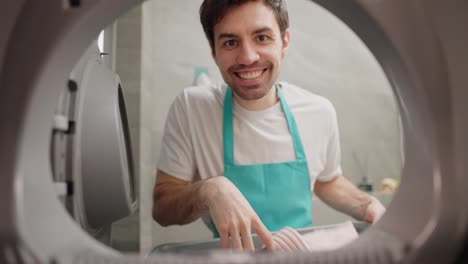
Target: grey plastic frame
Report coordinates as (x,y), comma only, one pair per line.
(420,44)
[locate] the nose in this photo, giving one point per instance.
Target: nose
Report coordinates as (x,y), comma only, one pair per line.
(247,54)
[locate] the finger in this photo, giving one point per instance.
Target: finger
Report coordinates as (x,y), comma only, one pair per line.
(236,239)
(262,232)
(225,240)
(247,241)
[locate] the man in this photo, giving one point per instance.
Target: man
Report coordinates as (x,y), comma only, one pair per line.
(246,156)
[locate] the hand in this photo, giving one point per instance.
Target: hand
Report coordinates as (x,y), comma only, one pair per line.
(233,216)
(374,211)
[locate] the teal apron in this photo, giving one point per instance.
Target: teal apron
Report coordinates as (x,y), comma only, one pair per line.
(280,193)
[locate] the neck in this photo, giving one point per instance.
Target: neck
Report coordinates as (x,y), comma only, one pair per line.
(267,101)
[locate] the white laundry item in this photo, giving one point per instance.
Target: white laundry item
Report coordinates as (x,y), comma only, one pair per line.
(289,240)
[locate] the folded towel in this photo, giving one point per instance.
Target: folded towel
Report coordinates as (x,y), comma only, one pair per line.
(289,240)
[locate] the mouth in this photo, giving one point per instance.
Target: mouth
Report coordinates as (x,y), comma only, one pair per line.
(250,75)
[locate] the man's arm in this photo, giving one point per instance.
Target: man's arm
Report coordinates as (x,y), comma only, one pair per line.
(342,195)
(176,202)
(179,202)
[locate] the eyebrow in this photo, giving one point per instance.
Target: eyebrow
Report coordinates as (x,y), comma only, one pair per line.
(263,29)
(232,35)
(227,35)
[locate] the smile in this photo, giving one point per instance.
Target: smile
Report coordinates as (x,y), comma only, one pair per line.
(250,75)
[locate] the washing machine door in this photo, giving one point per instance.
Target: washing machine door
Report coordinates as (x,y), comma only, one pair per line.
(421,45)
(91,152)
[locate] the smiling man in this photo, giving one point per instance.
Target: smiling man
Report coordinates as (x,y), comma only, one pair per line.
(248,155)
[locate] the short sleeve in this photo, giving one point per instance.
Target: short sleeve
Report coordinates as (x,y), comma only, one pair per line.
(176,155)
(332,166)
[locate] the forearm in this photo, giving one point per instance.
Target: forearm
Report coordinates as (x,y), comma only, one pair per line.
(178,204)
(342,195)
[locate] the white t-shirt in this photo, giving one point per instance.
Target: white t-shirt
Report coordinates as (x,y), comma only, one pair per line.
(192,146)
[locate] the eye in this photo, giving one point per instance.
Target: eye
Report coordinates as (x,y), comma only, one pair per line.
(262,38)
(230,43)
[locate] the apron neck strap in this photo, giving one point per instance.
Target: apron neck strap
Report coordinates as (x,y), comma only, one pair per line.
(228,129)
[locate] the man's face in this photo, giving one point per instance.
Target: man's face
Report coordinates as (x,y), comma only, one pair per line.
(248,49)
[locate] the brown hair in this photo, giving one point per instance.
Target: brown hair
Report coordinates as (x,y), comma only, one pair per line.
(213,11)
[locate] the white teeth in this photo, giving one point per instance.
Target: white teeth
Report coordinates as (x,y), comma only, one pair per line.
(250,75)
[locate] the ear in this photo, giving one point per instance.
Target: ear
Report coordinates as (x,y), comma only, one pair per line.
(285,43)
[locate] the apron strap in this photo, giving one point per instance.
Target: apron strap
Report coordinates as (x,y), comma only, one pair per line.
(228,129)
(298,147)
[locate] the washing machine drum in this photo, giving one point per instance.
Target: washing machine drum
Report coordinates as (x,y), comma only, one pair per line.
(421,45)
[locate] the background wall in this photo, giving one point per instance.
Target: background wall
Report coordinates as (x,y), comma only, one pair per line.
(125,51)
(325,57)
